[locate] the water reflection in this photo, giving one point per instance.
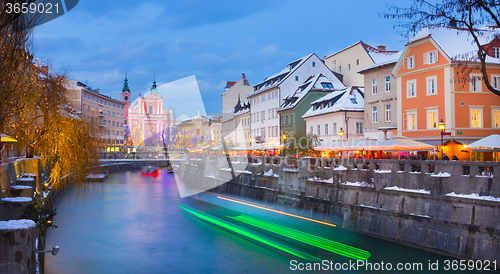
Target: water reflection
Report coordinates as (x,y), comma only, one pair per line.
(133,224)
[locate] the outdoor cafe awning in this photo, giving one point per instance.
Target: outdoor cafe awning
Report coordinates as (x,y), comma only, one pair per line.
(487,144)
(4,138)
(397,143)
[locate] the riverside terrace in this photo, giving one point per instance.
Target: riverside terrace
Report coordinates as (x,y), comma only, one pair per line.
(446,207)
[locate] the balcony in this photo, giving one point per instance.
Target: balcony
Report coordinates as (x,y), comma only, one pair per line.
(102,114)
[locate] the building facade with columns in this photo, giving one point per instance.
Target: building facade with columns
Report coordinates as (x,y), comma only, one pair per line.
(149,122)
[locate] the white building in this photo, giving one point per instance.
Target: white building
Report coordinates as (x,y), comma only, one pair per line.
(339,110)
(267,96)
(231,97)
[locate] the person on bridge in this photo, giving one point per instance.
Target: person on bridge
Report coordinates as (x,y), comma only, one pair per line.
(454,158)
(445,157)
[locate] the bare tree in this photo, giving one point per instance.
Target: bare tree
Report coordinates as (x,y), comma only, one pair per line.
(471,15)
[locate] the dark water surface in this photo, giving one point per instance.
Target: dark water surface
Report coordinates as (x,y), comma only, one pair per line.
(131,224)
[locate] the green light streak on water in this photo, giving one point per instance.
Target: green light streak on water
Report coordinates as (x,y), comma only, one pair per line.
(250,235)
(329,245)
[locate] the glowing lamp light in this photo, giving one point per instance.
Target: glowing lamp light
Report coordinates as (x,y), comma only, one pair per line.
(441,125)
(284,137)
(341,132)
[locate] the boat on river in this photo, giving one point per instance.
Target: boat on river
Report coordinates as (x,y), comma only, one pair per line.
(149,171)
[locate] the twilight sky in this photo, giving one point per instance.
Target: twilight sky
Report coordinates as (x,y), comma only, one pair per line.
(98,41)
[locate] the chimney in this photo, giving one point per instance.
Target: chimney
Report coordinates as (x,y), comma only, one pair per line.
(45,70)
(243,76)
(381,48)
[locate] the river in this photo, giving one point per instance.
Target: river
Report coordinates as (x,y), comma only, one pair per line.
(134,224)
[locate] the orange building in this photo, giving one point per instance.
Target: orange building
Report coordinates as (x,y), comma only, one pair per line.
(438,77)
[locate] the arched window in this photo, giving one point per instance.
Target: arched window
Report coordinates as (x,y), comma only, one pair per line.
(150,109)
(126,97)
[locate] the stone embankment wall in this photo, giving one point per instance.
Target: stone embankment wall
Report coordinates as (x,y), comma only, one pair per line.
(418,203)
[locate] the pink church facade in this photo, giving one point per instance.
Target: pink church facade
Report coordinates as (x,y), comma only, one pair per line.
(149,123)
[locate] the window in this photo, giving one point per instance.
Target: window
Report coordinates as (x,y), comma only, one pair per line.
(410,61)
(387,84)
(268,114)
(109,123)
(353,100)
(113,114)
(291,119)
(495,81)
(327,85)
(359,127)
(349,66)
(263,132)
(257,100)
(411,120)
(357,61)
(387,113)
(374,86)
(430,57)
(326,129)
(432,119)
(263,98)
(374,115)
(496,52)
(282,119)
(314,64)
(496,117)
(150,110)
(340,68)
(286,120)
(411,88)
(475,82)
(334,128)
(256,117)
(311,129)
(113,123)
(476,117)
(296,78)
(276,94)
(318,130)
(431,85)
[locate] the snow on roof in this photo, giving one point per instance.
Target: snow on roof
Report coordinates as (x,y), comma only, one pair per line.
(377,55)
(278,78)
(350,99)
(385,60)
(458,43)
(313,83)
(16,224)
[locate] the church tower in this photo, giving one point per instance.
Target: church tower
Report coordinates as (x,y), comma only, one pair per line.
(126,97)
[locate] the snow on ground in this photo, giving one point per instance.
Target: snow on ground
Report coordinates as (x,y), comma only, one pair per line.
(340,168)
(422,191)
(16,199)
(383,171)
(442,175)
(20,187)
(316,179)
(26,179)
(16,224)
(270,173)
(290,170)
(360,184)
(474,196)
(243,171)
(96,176)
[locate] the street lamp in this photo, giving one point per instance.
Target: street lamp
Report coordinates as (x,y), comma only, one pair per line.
(442,126)
(341,132)
(250,139)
